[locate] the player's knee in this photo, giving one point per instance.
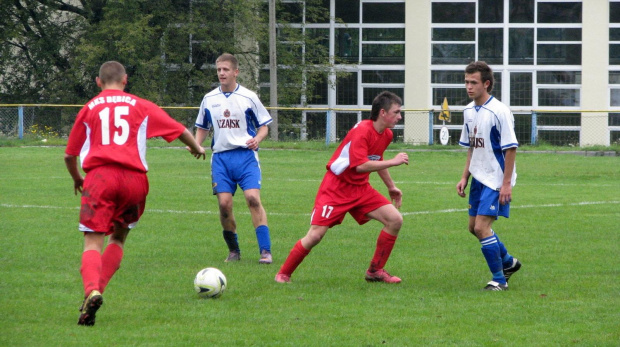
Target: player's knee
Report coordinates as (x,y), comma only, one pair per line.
(253,202)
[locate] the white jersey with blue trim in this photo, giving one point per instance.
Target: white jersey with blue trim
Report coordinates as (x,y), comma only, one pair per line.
(234,117)
(489,130)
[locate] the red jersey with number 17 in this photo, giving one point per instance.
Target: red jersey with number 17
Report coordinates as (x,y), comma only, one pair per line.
(112,128)
(362,143)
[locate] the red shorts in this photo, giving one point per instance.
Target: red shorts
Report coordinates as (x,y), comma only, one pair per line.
(112,194)
(335,198)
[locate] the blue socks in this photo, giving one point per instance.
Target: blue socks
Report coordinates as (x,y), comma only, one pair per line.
(503,252)
(263,238)
(491,252)
(262,235)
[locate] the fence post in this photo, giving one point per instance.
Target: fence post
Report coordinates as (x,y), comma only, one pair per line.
(430,127)
(534,134)
(20,122)
(327,127)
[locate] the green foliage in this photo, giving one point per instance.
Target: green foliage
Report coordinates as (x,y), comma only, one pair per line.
(563,227)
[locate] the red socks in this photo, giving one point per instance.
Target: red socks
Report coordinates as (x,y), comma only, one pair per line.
(295,257)
(97,269)
(385,244)
(110,262)
(90,270)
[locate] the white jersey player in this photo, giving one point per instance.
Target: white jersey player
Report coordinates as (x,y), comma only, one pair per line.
(488,132)
(234,117)
(238,121)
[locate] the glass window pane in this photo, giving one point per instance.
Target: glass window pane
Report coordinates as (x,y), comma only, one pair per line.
(490,11)
(559,34)
(558,97)
(521,11)
(453,12)
(383,54)
(376,12)
(558,77)
(453,53)
(497,85)
(615,98)
(371,93)
(379,76)
(454,34)
(521,46)
(614,54)
(614,77)
(491,45)
(455,96)
(347,44)
(320,44)
(348,10)
(559,12)
(448,76)
(317,88)
(346,89)
(521,89)
(614,34)
(559,54)
(289,12)
(317,11)
(383,34)
(614,12)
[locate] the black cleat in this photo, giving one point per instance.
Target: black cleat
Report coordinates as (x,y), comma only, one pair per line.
(494,286)
(508,272)
(89,308)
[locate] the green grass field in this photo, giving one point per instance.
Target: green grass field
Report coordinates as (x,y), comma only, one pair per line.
(564,227)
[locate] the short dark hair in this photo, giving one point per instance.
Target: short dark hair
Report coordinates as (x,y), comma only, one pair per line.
(111,72)
(384,101)
(486,73)
(229,57)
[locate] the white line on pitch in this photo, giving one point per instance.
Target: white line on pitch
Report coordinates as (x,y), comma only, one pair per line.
(288,214)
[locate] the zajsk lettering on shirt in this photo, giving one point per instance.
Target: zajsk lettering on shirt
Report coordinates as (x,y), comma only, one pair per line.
(228,123)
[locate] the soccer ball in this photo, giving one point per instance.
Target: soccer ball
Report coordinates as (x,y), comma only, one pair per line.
(210,283)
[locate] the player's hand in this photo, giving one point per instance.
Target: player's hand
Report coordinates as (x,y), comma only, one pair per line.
(401,158)
(460,188)
(77,186)
(397,196)
(252,144)
(505,194)
(198,154)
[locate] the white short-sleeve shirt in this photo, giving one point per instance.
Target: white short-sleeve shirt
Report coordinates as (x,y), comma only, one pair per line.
(234,117)
(489,130)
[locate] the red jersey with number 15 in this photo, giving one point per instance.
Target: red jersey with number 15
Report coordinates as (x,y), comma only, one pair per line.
(112,128)
(362,143)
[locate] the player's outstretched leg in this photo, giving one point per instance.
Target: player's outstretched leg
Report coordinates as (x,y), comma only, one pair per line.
(376,273)
(295,257)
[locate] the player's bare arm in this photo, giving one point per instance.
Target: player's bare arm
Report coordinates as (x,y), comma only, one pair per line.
(254,142)
(72,166)
(396,195)
(192,145)
(460,187)
(372,165)
(505,192)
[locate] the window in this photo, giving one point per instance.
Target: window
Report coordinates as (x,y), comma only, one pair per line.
(521,40)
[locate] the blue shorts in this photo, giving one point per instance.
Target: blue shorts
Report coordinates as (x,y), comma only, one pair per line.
(485,201)
(237,166)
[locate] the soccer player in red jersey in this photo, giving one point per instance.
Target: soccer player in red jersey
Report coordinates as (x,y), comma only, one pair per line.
(109,136)
(345,188)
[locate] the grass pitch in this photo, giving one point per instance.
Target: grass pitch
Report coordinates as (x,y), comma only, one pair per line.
(563,227)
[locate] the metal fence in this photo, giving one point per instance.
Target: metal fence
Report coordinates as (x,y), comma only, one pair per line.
(331,125)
